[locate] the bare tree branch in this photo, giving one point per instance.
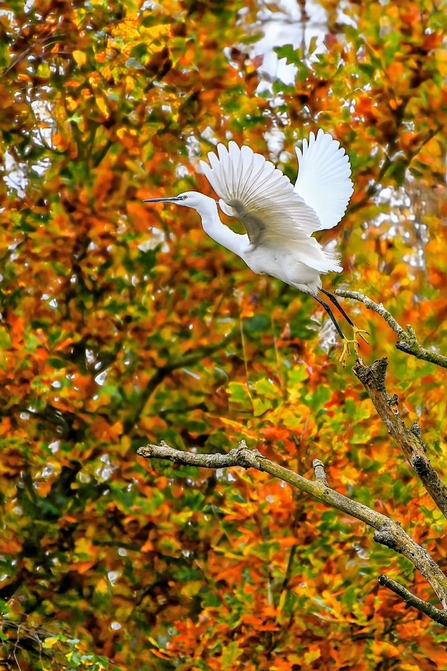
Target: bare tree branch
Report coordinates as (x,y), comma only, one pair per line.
(412,600)
(407,342)
(388,532)
(408,439)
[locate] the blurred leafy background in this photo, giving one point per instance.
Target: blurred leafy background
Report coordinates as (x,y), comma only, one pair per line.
(123,324)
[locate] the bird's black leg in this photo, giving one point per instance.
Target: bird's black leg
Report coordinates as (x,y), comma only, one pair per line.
(357,332)
(331,315)
(337,304)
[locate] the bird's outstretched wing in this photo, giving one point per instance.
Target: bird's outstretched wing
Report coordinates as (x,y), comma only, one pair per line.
(259,195)
(324,178)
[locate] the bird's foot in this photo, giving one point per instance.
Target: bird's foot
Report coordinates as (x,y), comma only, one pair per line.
(361,334)
(346,351)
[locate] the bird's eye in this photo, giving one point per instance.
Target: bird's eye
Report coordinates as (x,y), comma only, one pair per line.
(184,197)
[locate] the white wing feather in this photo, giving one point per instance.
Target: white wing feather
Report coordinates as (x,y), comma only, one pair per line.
(324,178)
(259,195)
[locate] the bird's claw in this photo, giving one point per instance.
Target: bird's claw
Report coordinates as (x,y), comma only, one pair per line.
(361,334)
(346,351)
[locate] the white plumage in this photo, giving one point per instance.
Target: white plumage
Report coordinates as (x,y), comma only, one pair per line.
(324,178)
(279,218)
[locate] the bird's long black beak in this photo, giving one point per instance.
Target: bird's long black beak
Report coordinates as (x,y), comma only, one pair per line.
(170,199)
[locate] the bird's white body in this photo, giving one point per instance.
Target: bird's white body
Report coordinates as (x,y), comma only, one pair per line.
(281,262)
(274,256)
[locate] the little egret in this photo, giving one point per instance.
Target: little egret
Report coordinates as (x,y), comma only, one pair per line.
(278,217)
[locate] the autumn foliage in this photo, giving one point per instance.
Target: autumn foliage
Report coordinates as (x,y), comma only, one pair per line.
(123,324)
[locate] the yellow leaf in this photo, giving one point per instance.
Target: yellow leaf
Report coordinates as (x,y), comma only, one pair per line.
(79,57)
(102,586)
(50,641)
(126,30)
(155,33)
(311,655)
(231,422)
(103,107)
(133,166)
(383,650)
(125,443)
(130,83)
(71,103)
(84,549)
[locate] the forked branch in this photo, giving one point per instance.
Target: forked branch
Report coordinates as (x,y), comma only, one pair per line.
(407,342)
(409,440)
(387,531)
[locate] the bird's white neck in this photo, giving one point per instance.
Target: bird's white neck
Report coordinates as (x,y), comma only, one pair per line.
(213,226)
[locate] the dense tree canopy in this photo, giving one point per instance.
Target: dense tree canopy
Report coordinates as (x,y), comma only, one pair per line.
(123,324)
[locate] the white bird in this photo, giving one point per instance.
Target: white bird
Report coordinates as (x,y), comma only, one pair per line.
(278,217)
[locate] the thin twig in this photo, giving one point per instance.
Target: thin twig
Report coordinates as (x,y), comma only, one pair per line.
(407,342)
(413,600)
